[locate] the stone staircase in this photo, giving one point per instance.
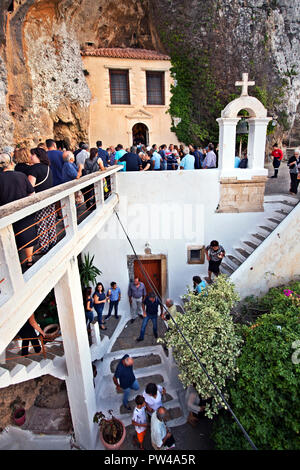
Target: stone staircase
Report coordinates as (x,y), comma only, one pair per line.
(17,369)
(237,255)
(151,364)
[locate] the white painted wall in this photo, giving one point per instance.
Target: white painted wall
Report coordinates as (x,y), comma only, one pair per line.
(275,262)
(147,200)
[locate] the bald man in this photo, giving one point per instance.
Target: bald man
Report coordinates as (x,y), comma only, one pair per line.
(127,381)
(161,436)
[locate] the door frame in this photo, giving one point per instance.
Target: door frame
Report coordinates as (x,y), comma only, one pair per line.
(163,269)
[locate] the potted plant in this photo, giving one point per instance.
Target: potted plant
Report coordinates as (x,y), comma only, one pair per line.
(112,430)
(51,331)
(88,272)
(18,411)
(20,416)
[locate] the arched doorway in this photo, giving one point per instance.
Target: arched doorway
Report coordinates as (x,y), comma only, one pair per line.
(140,134)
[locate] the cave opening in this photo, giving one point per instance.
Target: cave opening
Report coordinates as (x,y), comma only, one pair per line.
(10,9)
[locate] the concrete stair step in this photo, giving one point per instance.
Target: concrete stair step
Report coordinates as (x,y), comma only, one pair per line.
(10,357)
(258,236)
(226,269)
(289,203)
(45,363)
(237,262)
(250,244)
(56,350)
(266,228)
(4,373)
(275,221)
(282,212)
(243,252)
(139,362)
(233,262)
(14,368)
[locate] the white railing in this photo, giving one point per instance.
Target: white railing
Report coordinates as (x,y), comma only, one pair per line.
(21,293)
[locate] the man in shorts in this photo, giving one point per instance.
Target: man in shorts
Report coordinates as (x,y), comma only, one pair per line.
(214,254)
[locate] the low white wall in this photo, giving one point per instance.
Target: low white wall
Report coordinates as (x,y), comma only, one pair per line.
(152,202)
(275,262)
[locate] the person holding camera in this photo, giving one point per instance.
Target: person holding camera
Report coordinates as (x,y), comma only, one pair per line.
(214,254)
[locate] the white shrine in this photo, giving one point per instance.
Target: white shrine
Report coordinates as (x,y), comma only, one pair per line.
(242,190)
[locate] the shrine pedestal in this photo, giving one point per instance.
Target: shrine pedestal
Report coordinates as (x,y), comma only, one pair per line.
(238,195)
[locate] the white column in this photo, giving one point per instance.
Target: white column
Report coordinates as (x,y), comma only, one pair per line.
(257,142)
(10,267)
(79,382)
(227,138)
(68,205)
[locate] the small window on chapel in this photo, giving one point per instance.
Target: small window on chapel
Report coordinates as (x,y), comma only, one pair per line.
(119,86)
(155,88)
(196,255)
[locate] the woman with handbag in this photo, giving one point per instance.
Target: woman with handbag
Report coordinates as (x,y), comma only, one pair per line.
(40,176)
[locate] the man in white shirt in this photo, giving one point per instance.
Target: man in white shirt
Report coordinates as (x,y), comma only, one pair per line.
(211,158)
(153,397)
(161,437)
(82,155)
(139,420)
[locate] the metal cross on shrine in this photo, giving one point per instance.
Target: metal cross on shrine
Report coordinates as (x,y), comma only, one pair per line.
(244,84)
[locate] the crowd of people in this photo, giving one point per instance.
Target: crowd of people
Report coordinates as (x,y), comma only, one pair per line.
(24,172)
(149,411)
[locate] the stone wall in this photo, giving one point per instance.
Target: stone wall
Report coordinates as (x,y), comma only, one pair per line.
(44,392)
(43,91)
(242,195)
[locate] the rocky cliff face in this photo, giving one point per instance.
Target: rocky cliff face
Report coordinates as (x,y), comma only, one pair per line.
(43,91)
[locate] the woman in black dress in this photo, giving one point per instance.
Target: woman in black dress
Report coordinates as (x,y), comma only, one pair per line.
(40,176)
(28,334)
(15,185)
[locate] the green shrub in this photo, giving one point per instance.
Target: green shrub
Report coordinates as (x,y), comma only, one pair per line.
(265,396)
(208,327)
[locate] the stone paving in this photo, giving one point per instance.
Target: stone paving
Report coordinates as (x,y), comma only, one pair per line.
(186,436)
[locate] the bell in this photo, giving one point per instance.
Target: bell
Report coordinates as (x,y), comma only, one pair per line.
(242,127)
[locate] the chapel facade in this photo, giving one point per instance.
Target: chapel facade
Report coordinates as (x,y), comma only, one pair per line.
(131,92)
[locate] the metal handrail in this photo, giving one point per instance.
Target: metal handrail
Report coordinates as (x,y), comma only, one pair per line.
(43,351)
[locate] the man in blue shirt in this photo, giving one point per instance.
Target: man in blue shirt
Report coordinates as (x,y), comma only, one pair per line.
(114,296)
(70,171)
(188,161)
(56,160)
(150,311)
(156,159)
(197,154)
(119,153)
(162,153)
(102,153)
(124,372)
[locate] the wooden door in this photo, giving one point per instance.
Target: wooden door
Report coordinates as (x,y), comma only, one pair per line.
(153,269)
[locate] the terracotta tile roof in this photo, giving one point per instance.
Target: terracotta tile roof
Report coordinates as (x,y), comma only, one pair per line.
(125,53)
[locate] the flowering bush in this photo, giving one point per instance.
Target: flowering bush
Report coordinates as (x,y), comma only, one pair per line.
(208,327)
(295,298)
